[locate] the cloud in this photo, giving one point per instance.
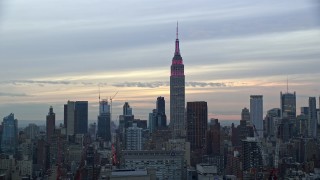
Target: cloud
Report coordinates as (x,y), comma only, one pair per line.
(166,83)
(142,84)
(210,84)
(13,94)
(43,82)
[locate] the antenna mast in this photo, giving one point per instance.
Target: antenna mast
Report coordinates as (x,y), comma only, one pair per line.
(177,33)
(287,85)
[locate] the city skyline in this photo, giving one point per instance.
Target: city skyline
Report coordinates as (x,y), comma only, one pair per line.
(55,52)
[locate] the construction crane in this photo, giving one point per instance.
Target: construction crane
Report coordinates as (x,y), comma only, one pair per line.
(114,154)
(111,99)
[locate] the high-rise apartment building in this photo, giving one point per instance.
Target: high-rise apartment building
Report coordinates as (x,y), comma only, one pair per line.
(134,138)
(197,123)
(288,105)
(177,93)
(312,125)
(9,139)
(104,120)
(251,155)
(256,113)
(50,124)
(77,117)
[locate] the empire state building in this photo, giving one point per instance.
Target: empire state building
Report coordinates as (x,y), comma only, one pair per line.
(177,93)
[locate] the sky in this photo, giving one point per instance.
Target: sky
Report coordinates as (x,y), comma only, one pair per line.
(58,50)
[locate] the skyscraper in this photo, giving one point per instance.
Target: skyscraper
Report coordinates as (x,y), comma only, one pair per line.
(197,123)
(50,124)
(312,125)
(161,105)
(245,115)
(81,117)
(271,120)
(161,113)
(77,117)
(256,113)
(153,121)
(9,139)
(213,138)
(104,120)
(288,105)
(127,110)
(134,138)
(158,117)
(177,93)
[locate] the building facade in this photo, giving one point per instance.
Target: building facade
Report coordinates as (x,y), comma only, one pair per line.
(251,155)
(127,110)
(245,114)
(134,138)
(50,124)
(168,164)
(288,105)
(197,124)
(9,139)
(76,113)
(256,113)
(177,93)
(161,113)
(312,125)
(104,121)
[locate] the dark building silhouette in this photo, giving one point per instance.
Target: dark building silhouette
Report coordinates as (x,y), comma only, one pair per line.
(76,113)
(245,114)
(197,123)
(127,110)
(65,115)
(251,155)
(9,139)
(285,129)
(81,115)
(312,128)
(288,105)
(213,139)
(42,155)
(158,117)
(304,111)
(177,93)
(50,124)
(161,113)
(270,121)
(104,120)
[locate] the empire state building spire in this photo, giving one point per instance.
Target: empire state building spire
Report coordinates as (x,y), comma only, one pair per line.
(177,49)
(177,93)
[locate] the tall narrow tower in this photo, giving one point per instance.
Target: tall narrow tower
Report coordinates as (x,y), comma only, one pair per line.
(256,113)
(51,123)
(177,93)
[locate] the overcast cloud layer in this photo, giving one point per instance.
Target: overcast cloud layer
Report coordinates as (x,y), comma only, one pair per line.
(58,50)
